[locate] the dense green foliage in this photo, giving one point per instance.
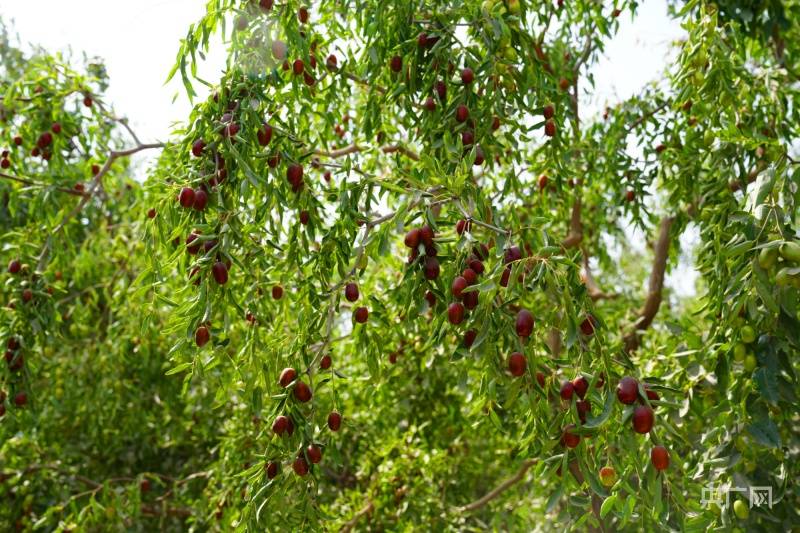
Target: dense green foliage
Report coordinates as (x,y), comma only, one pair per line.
(148,324)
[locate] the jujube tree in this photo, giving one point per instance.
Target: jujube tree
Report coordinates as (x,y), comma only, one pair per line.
(384,275)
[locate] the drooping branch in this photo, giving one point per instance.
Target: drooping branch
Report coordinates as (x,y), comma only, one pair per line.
(655,286)
(498,490)
(331,311)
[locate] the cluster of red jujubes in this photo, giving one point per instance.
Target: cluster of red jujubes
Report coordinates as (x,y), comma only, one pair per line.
(423,236)
(27,279)
(15,361)
(627,393)
(517,363)
(467,299)
(643,416)
(579,386)
(43,147)
(197,198)
(283,425)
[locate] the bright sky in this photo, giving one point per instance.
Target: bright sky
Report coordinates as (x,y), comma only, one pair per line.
(139,40)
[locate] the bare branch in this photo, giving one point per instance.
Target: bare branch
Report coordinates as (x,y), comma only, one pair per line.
(341,152)
(391,148)
(367,509)
(355,148)
(587,51)
(498,490)
(96,181)
(122,120)
(656,285)
(575,235)
(595,292)
(646,116)
(94,185)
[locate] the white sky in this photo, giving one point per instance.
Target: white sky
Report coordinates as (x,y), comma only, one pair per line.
(139,40)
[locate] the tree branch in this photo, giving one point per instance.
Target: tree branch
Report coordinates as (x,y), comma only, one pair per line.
(587,51)
(360,81)
(751,176)
(595,292)
(94,185)
(37,184)
(656,286)
(391,148)
(575,235)
(498,490)
(355,148)
(350,524)
(147,509)
(596,503)
(636,123)
(158,510)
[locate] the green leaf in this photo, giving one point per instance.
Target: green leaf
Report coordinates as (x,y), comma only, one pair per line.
(180,368)
(602,418)
(552,501)
(766,383)
(608,505)
(765,432)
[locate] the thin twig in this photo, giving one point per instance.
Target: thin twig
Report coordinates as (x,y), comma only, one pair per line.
(498,490)
(355,148)
(350,524)
(37,184)
(636,123)
(586,53)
